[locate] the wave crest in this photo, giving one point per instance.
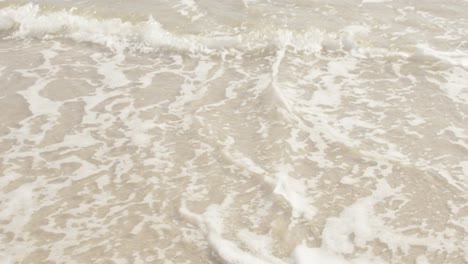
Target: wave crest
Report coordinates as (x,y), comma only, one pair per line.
(29,22)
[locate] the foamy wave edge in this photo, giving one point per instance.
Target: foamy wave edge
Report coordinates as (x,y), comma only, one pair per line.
(28,21)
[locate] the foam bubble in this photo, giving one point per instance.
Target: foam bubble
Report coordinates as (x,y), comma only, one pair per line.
(305,255)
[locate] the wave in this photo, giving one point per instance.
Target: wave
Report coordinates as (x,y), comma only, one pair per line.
(29,22)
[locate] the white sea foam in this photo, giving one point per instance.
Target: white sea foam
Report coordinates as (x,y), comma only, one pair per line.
(456,57)
(273,132)
(29,22)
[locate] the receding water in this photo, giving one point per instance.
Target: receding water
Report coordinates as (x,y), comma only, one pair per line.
(240,132)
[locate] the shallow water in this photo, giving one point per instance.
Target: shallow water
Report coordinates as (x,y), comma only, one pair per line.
(233,131)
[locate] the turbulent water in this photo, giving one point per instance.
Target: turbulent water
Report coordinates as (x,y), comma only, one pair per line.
(243,132)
